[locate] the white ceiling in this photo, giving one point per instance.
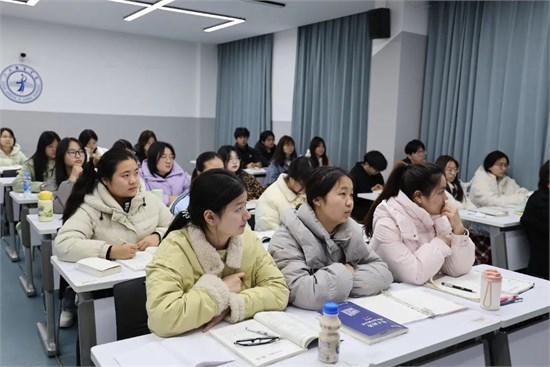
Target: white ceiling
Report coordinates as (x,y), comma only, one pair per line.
(260,19)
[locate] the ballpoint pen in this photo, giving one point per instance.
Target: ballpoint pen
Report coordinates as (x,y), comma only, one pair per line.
(449,285)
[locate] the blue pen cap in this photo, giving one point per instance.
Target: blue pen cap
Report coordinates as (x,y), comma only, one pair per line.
(330,308)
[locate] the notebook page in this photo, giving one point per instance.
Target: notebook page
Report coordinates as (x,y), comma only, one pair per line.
(389,308)
(426,301)
(289,326)
(138,262)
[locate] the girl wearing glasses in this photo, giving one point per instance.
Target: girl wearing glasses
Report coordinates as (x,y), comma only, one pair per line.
(161,171)
(321,250)
(41,164)
(232,163)
(456,195)
(414,230)
(10,151)
(70,157)
(210,266)
(491,186)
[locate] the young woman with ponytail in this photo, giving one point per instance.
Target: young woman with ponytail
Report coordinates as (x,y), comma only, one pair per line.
(414,230)
(210,266)
(107,215)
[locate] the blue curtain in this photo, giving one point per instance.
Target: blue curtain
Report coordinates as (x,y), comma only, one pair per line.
(331,87)
(244,88)
(487,84)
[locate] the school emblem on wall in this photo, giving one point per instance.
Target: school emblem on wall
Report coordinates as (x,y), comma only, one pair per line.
(21,83)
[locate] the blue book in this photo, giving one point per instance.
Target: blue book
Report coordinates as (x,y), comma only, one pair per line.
(366,325)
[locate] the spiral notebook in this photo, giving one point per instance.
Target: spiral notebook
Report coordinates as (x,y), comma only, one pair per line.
(408,305)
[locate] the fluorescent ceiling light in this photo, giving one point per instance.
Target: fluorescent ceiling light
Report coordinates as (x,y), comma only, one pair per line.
(160,5)
(147,10)
(223,25)
(21,2)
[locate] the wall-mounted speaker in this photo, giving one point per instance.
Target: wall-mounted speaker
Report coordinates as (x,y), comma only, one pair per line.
(379,23)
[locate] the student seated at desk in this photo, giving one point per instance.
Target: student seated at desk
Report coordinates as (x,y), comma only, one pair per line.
(492,187)
(282,158)
(88,138)
(318,152)
(161,171)
(10,151)
(41,164)
(209,266)
(232,162)
(70,157)
(535,221)
(265,147)
(415,150)
(456,194)
(287,192)
(205,161)
(321,250)
(414,231)
(107,215)
(367,178)
(145,140)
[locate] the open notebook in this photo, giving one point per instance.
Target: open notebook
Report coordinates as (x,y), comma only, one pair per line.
(408,305)
(472,282)
(295,336)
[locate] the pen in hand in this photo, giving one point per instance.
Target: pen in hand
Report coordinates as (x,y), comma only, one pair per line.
(449,285)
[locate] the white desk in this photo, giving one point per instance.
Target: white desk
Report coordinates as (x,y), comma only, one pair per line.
(372,196)
(424,337)
(513,255)
(5,182)
(536,303)
(93,330)
(26,204)
(48,231)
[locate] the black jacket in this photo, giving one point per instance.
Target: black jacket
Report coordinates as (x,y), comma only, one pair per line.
(362,182)
(247,155)
(535,222)
(263,155)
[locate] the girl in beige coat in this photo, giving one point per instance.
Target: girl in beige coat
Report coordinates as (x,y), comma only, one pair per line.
(107,215)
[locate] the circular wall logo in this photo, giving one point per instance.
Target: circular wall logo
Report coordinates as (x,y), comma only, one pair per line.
(20,83)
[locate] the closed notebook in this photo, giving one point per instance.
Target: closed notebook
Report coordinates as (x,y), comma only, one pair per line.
(408,305)
(295,336)
(366,325)
(471,285)
(98,267)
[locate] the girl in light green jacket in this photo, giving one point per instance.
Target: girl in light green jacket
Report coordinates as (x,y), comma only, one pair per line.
(10,151)
(41,165)
(210,266)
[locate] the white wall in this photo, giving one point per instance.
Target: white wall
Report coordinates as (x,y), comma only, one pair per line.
(94,71)
(98,79)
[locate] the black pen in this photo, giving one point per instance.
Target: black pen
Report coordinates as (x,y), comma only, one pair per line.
(457,287)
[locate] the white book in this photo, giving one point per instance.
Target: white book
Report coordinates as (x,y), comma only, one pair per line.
(190,350)
(408,305)
(98,267)
(295,336)
(138,262)
(471,285)
(493,211)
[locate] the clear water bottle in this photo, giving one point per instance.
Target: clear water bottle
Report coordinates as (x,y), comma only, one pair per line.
(26,184)
(329,337)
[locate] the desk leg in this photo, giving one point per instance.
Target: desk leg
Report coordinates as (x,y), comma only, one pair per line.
(499,255)
(10,248)
(86,327)
(26,280)
(497,350)
(46,329)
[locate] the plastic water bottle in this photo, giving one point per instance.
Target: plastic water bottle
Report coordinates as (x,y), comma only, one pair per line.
(26,184)
(329,337)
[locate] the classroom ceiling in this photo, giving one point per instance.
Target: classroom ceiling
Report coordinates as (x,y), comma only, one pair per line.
(260,19)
